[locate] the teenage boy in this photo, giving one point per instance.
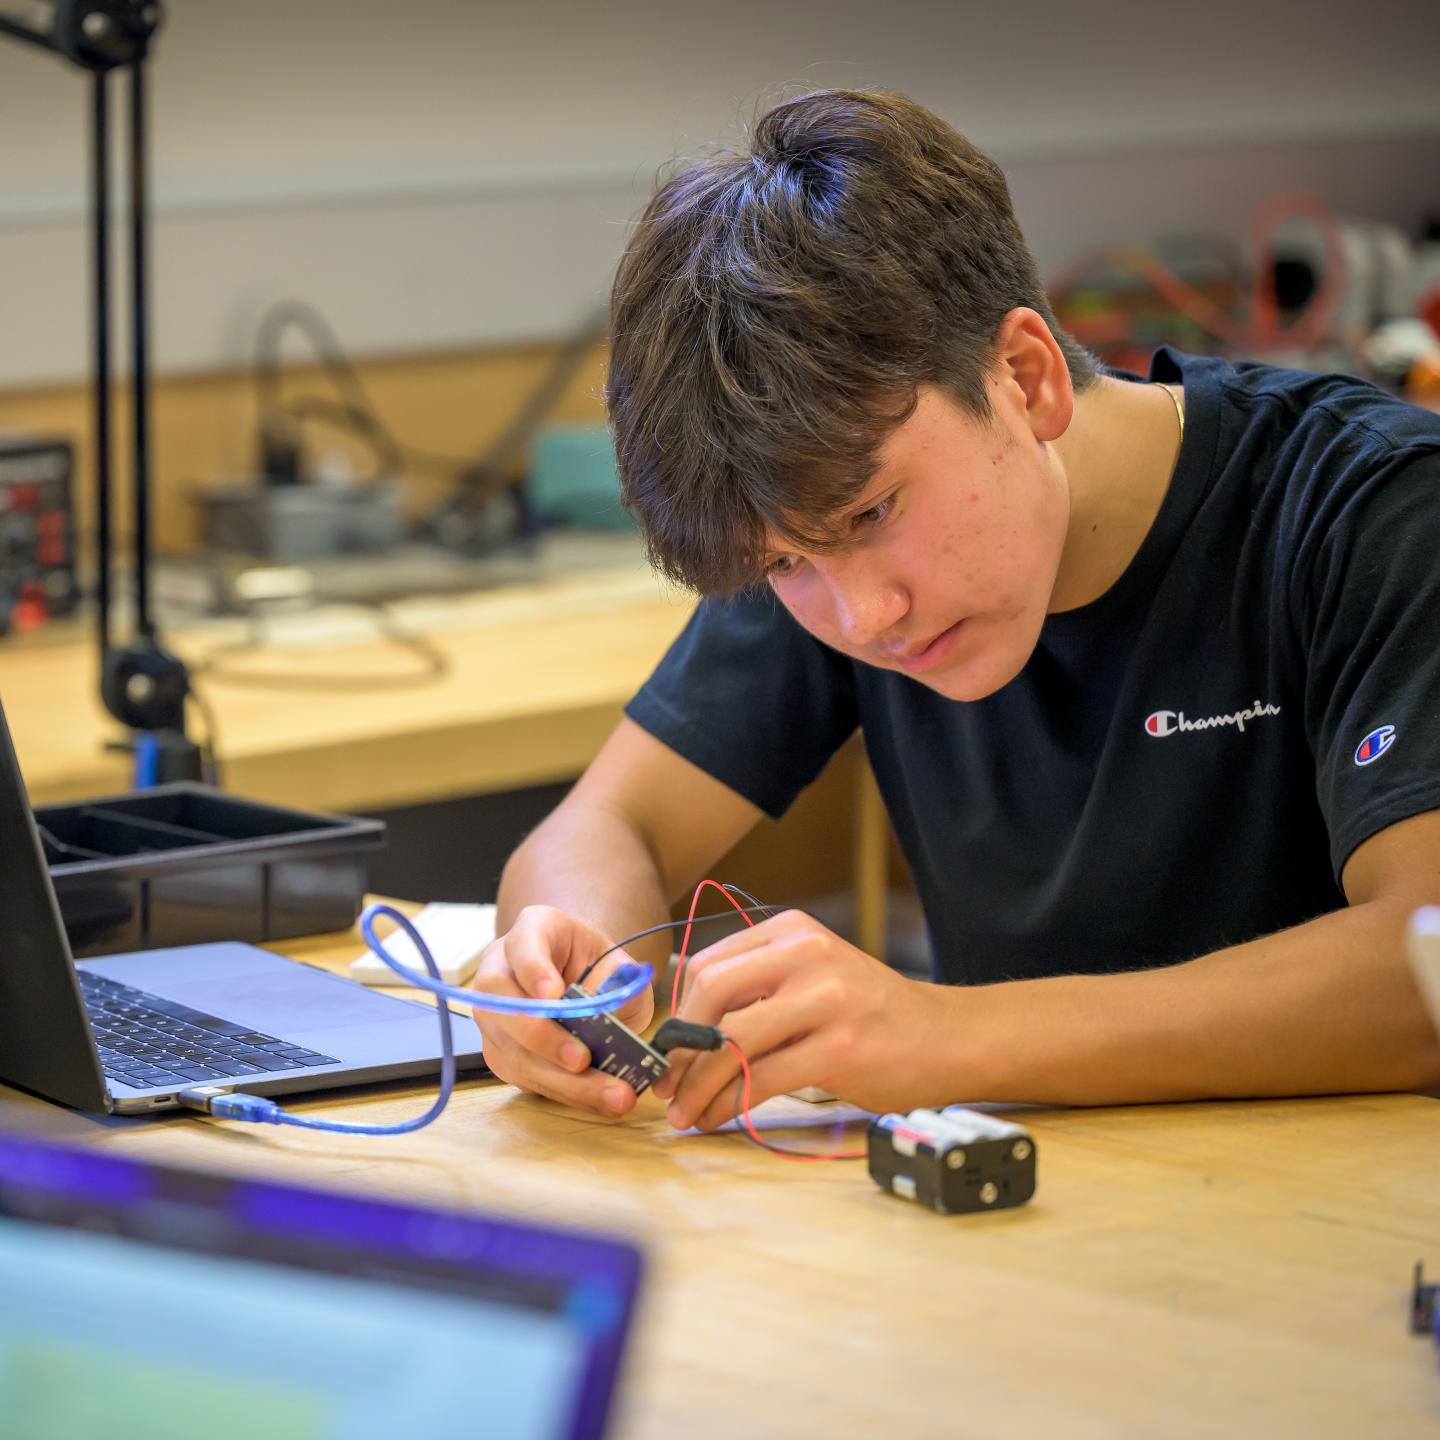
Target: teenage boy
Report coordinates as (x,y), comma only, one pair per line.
(1148,669)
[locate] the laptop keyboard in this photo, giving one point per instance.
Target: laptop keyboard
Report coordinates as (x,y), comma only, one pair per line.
(146,1041)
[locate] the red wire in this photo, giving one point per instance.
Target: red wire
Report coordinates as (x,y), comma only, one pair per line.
(689,925)
(1260,331)
(765,1144)
(731,1045)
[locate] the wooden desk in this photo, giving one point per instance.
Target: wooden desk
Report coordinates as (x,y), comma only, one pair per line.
(1185,1270)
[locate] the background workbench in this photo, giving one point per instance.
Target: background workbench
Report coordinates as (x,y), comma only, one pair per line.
(536,677)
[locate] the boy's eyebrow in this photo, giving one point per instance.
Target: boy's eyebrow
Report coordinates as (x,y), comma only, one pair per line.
(833,529)
(872,494)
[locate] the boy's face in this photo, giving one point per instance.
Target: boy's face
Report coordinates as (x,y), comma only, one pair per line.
(954,551)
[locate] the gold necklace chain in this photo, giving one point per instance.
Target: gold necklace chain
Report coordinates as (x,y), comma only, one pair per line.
(1179,408)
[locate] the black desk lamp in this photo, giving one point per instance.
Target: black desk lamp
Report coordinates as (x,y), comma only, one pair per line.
(142,684)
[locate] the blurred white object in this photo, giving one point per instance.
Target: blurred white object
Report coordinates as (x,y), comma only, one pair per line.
(1422,943)
(1398,344)
(1379,269)
(455,935)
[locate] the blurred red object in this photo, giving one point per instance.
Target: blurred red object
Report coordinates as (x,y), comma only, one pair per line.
(1429,308)
(30,611)
(1422,384)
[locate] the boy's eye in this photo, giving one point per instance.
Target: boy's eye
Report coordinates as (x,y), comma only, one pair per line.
(782,565)
(874,515)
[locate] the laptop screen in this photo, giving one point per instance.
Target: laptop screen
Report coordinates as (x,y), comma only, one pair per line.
(37,977)
(142,1301)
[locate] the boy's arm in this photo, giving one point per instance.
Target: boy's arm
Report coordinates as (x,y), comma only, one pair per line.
(638,829)
(1323,1008)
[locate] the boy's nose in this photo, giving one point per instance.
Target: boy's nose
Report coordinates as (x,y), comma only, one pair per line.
(866,609)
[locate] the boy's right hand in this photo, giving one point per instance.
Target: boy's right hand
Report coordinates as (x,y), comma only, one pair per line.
(544,951)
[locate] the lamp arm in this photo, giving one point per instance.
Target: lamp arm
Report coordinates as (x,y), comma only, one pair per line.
(142,683)
(94,34)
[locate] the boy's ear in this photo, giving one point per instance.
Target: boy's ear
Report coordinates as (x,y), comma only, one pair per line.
(1031,362)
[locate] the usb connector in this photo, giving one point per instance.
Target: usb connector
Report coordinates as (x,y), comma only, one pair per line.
(230,1104)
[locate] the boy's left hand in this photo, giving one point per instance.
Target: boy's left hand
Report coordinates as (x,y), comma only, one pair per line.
(807,1008)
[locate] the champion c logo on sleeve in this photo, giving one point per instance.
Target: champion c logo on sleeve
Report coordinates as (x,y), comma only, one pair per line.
(1374,745)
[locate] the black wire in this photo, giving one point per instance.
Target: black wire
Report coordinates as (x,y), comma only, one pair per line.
(740,1079)
(770,1145)
(672,925)
(547,392)
(210,771)
(755,907)
(313,325)
(494,472)
(389,462)
(435,661)
(357,412)
(746,895)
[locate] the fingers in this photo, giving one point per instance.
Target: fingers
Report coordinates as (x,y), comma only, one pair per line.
(724,986)
(545,1039)
(546,947)
(546,950)
(724,981)
(542,1056)
(777,1074)
(754,937)
(761,1031)
(593,1091)
(635,1012)
(542,952)
(735,973)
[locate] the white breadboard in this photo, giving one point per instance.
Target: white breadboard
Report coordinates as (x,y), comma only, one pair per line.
(454,934)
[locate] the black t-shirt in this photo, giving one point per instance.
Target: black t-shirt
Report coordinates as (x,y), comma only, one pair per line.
(1183,764)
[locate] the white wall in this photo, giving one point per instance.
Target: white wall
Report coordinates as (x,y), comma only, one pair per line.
(452,172)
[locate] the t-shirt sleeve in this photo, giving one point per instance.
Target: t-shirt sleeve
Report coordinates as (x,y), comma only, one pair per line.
(751,698)
(1371,615)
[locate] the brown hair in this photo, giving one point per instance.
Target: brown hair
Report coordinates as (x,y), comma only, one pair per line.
(776,309)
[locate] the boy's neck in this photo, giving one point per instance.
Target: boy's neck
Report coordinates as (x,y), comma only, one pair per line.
(1117,458)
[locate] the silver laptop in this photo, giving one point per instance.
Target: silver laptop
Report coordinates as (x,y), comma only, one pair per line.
(126,1033)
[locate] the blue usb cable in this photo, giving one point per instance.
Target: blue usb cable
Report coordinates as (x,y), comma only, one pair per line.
(618,989)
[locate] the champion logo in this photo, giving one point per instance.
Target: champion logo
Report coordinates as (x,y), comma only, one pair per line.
(1374,745)
(1174,722)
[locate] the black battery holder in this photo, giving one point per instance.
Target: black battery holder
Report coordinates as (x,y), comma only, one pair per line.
(954,1161)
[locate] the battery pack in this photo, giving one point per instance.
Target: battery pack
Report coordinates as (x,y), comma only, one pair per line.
(955,1161)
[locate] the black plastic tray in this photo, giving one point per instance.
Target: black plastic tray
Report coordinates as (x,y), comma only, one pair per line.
(185,864)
